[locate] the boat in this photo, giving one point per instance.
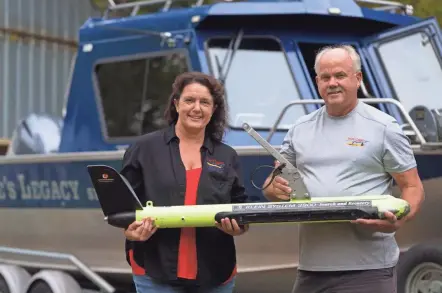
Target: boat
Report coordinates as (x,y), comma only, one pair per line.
(263,51)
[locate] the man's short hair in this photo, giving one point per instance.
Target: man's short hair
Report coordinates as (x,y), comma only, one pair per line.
(349,49)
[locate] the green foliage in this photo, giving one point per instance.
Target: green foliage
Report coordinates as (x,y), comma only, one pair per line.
(426,8)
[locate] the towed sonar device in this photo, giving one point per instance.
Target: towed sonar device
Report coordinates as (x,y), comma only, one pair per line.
(121,205)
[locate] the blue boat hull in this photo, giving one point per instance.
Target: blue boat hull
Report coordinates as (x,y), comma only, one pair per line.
(66,184)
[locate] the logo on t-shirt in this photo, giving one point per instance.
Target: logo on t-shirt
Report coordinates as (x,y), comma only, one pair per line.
(354,141)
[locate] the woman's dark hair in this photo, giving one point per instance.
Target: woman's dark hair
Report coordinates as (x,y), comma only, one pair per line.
(215,128)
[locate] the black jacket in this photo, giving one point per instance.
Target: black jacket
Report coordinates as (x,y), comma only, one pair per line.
(154,168)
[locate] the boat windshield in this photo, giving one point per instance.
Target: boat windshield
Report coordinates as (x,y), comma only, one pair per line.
(258,81)
(414,70)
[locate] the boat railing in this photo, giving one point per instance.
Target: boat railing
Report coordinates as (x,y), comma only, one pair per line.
(390,6)
(405,126)
(365,100)
(136,6)
(409,121)
(83,268)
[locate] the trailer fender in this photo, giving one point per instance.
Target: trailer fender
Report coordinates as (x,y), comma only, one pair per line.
(52,281)
(13,279)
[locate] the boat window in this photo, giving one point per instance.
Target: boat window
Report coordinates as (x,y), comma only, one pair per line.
(413,69)
(259,82)
(135,92)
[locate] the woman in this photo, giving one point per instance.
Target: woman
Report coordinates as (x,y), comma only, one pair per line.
(186,164)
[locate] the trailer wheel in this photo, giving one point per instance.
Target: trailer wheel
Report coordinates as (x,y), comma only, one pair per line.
(3,286)
(40,287)
(13,279)
(420,270)
(51,281)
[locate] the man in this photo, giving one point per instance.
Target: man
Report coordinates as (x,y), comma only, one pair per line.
(348,148)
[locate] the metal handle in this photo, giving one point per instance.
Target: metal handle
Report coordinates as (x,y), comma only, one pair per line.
(267,146)
(289,172)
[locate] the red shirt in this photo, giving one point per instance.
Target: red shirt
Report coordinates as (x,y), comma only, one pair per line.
(187,257)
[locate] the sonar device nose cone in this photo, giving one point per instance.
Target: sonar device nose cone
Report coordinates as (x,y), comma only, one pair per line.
(121,220)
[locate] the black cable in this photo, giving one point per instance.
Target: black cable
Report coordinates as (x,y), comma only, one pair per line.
(276,171)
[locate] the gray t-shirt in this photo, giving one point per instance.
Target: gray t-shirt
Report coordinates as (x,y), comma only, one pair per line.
(347,156)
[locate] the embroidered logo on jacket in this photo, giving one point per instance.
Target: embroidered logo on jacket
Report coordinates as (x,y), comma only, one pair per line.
(354,141)
(215,165)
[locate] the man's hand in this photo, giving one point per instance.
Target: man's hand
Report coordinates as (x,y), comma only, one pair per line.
(140,230)
(231,227)
(280,187)
(388,225)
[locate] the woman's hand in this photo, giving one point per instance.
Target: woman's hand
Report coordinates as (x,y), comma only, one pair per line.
(231,227)
(140,230)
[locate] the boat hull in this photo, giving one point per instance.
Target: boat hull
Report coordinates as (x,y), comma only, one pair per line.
(51,206)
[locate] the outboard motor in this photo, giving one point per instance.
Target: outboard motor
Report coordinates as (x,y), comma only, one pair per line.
(36,134)
(429,122)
